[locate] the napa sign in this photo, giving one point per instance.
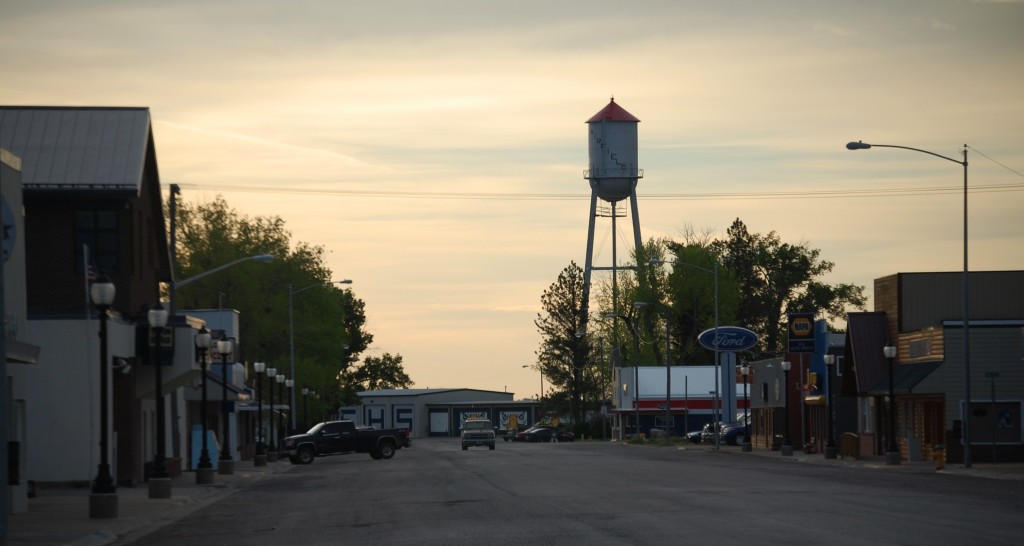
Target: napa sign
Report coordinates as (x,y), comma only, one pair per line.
(728,338)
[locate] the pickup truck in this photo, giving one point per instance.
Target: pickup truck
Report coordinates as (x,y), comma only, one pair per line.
(337,437)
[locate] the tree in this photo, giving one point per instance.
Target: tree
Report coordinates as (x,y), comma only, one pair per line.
(563,357)
(777,278)
(378,373)
(328,321)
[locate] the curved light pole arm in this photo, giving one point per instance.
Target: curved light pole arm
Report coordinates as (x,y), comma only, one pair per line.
(190,280)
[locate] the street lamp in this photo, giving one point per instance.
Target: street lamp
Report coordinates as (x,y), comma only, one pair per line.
(290,385)
(260,459)
(892,453)
(291,327)
(271,445)
(668,366)
(226,463)
(745,372)
(830,445)
(787,449)
(204,470)
(717,409)
(103,497)
(305,408)
(966,409)
(159,480)
(281,425)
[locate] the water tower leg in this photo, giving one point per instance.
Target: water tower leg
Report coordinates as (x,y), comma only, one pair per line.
(637,240)
(585,310)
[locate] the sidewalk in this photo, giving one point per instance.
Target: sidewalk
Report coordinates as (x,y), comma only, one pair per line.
(1000,471)
(61,515)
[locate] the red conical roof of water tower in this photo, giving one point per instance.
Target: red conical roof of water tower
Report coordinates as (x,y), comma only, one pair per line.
(613,112)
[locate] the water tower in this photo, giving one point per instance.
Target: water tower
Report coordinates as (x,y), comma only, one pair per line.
(613,174)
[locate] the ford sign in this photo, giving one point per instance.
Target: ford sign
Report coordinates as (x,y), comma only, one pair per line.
(728,338)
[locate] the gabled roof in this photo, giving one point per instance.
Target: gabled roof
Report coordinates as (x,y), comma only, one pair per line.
(77,148)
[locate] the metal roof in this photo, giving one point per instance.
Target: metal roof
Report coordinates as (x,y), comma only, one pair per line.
(612,112)
(76,148)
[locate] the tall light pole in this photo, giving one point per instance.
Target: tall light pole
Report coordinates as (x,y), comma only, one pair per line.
(305,408)
(291,327)
(541,399)
(204,470)
(892,453)
(103,496)
(260,458)
(636,370)
(965,411)
(159,480)
(745,372)
(787,448)
(290,385)
(714,272)
(226,462)
(271,446)
(830,445)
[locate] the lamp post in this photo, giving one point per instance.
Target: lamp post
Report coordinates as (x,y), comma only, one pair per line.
(281,425)
(746,445)
(305,408)
(787,448)
(159,480)
(716,409)
(892,453)
(291,328)
(541,399)
(103,496)
(290,385)
(204,470)
(966,409)
(668,366)
(830,445)
(260,458)
(271,445)
(226,462)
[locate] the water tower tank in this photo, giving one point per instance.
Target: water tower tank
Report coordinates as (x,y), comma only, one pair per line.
(612,145)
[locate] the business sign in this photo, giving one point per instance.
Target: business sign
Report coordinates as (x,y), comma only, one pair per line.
(728,338)
(801,332)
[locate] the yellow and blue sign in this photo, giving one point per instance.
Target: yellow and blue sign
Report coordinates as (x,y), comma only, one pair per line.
(801,332)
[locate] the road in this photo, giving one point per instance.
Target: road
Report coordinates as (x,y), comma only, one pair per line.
(598,493)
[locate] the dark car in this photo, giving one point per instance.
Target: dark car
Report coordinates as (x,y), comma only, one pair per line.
(698,436)
(734,433)
(546,433)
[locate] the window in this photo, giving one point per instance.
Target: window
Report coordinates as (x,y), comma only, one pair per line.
(96,229)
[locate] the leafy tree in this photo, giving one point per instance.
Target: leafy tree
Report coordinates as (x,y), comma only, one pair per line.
(378,373)
(777,278)
(563,358)
(328,321)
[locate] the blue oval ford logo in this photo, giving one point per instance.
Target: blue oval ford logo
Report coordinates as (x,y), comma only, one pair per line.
(728,338)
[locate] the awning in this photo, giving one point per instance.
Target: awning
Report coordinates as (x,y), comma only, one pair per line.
(904,378)
(20,352)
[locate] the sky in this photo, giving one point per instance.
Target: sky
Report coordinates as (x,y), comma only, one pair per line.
(436,149)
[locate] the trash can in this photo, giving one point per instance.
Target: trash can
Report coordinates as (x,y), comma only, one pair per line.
(939,454)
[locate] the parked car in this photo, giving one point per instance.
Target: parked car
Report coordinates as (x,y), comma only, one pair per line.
(697,436)
(338,437)
(544,433)
(734,433)
(477,432)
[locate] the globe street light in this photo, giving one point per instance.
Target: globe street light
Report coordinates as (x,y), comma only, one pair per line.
(159,480)
(204,470)
(787,449)
(966,409)
(103,497)
(226,462)
(745,372)
(892,453)
(260,458)
(830,445)
(271,446)
(291,328)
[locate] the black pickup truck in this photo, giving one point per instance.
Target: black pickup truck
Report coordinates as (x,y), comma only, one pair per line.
(337,437)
